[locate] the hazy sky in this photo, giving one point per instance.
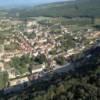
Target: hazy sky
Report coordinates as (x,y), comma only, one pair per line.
(25,2)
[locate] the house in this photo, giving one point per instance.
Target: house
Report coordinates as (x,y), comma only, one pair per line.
(38,68)
(18,81)
(2,67)
(11,73)
(1,51)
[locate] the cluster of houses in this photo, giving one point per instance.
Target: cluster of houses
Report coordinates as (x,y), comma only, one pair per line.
(42,43)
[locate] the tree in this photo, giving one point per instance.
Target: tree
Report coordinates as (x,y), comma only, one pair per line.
(3,79)
(60,60)
(40,59)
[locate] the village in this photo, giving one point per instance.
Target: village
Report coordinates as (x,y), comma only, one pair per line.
(44,43)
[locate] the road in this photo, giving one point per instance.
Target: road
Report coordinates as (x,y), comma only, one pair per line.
(65,68)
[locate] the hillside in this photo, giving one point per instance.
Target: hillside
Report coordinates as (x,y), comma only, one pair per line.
(78,8)
(81,84)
